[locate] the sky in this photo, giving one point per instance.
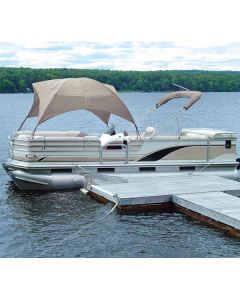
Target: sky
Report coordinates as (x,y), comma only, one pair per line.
(121,35)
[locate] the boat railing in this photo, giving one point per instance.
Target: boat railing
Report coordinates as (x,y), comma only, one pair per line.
(208,150)
(123,147)
(40,151)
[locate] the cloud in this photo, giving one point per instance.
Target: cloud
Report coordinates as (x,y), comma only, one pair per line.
(120,56)
(185,23)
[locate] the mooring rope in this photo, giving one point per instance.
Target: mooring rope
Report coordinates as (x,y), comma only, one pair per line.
(204,167)
(81,229)
(200,170)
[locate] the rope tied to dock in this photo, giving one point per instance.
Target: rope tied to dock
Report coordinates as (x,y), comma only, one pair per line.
(200,170)
(81,229)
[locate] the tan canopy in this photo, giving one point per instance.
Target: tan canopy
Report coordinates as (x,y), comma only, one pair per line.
(57,96)
(193,95)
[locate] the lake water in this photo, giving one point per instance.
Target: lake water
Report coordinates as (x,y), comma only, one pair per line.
(55,224)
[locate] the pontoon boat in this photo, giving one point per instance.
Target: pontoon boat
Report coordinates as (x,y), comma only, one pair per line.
(61,160)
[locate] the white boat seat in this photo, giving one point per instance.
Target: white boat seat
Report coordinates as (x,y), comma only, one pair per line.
(150,131)
(206,133)
(50,133)
(59,138)
(111,139)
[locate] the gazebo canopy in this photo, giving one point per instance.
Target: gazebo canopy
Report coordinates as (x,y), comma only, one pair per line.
(57,96)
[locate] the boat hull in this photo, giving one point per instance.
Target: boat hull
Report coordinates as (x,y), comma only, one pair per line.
(47,178)
(26,180)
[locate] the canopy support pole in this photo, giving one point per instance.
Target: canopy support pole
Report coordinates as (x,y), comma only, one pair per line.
(147,113)
(20,127)
(34,130)
(138,133)
(174,117)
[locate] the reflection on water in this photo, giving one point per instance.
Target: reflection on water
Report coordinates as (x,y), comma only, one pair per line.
(43,224)
(42,219)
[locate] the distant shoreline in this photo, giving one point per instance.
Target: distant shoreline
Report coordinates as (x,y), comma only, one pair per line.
(19,80)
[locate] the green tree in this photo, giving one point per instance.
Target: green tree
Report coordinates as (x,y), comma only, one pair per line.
(22,86)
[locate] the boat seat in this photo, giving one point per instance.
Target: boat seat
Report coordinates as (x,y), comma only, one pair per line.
(107,139)
(50,133)
(55,138)
(206,133)
(150,131)
(87,138)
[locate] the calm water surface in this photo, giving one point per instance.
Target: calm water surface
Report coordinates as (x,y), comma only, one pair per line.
(39,224)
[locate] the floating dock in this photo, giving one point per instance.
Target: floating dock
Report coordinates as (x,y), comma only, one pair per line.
(211,199)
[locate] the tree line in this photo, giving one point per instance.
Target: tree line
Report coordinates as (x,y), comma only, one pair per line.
(19,80)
